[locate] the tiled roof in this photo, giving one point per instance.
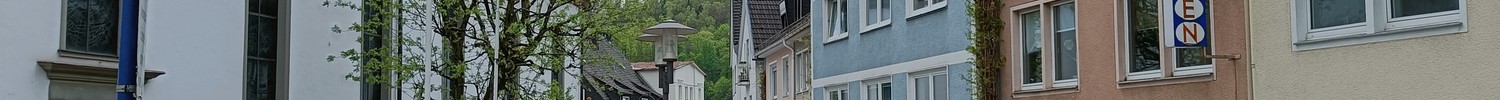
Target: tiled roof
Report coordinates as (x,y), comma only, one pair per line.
(613,72)
(765,21)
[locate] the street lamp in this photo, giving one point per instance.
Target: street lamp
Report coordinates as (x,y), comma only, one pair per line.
(665,37)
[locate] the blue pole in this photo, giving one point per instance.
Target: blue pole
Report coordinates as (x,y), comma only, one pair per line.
(125,86)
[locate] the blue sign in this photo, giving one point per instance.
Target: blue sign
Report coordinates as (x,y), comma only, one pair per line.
(1190,25)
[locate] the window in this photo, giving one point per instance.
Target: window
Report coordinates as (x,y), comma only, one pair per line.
(1146,51)
(836,21)
(837,93)
(786,78)
(877,13)
(1032,49)
(774,74)
(1144,39)
(931,85)
(92,27)
(878,91)
(919,7)
(261,50)
(1065,42)
(1330,23)
(1048,46)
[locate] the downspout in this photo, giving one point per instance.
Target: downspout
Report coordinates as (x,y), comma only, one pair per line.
(125,84)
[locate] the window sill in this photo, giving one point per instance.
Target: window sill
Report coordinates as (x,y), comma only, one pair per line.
(873,27)
(1393,34)
(1045,92)
(1167,81)
(835,38)
(86,69)
(923,11)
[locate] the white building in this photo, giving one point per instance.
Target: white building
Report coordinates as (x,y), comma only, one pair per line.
(63,49)
(688,79)
(189,50)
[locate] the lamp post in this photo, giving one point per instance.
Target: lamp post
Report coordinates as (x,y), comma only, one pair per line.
(665,37)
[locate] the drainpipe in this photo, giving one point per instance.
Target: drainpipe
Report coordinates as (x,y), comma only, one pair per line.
(125,86)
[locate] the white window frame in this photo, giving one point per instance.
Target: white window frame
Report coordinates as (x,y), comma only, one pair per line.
(866,12)
(837,30)
(1168,57)
(1378,26)
(929,74)
(842,90)
(1020,36)
(775,73)
(870,93)
(912,11)
(786,76)
(1053,22)
(1046,13)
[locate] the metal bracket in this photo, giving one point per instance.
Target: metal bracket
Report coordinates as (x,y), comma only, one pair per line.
(125,88)
(1211,55)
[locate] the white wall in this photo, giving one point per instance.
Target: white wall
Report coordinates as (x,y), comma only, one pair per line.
(31,30)
(311,41)
(1448,67)
(199,43)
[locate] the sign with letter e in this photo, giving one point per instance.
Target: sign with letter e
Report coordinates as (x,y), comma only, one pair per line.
(1190,23)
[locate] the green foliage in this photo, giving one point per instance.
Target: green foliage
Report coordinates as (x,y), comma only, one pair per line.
(708,48)
(483,46)
(986,47)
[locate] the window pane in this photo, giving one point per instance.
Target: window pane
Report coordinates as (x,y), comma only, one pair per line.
(1403,8)
(940,87)
(843,18)
(923,88)
(92,26)
(1032,46)
(936,1)
(871,92)
(885,91)
(1065,40)
(1144,51)
(1187,57)
(262,38)
(1064,17)
(872,12)
(919,3)
(1329,13)
(832,18)
(1067,55)
(885,9)
(260,80)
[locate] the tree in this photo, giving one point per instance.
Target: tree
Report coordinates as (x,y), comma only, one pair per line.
(481,46)
(986,47)
(708,48)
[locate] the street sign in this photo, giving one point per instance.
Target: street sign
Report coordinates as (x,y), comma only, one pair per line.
(1190,23)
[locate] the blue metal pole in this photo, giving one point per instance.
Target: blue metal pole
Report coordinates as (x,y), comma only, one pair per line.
(125,86)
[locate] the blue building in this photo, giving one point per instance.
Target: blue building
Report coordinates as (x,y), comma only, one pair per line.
(890,49)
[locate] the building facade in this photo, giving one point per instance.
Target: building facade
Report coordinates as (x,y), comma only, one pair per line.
(687,83)
(1380,49)
(1125,49)
(200,50)
(67,50)
(890,49)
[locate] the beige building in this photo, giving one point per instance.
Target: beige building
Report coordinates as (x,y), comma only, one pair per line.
(1375,49)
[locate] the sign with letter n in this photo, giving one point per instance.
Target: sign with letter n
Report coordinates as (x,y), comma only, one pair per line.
(1190,22)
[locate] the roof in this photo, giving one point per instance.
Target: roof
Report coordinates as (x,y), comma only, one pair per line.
(652,65)
(612,72)
(765,21)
